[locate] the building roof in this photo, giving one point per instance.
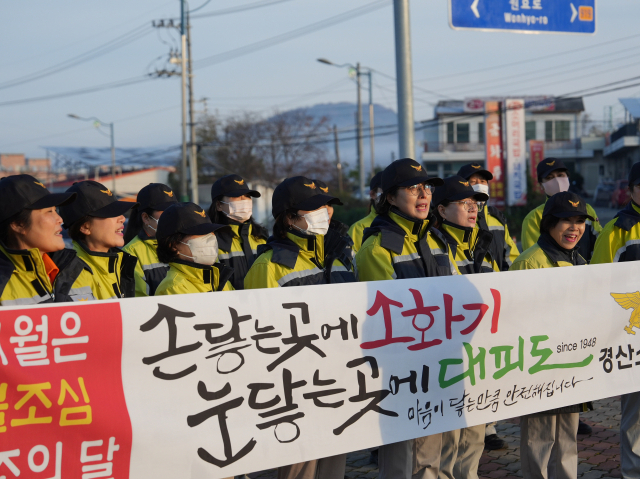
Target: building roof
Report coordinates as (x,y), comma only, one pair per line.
(532,103)
(134,157)
(632,105)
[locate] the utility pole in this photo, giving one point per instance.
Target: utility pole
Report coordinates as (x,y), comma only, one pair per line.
(359,125)
(183,76)
(404,81)
(338,163)
(371,139)
(193,155)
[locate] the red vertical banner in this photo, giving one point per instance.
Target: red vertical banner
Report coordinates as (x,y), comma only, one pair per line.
(62,405)
(494,154)
(536,155)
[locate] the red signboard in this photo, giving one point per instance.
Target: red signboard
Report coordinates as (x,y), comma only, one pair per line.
(495,159)
(536,155)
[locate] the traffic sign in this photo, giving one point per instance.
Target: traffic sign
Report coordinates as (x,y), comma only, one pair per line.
(524,16)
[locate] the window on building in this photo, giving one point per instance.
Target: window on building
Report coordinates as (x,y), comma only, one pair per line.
(481,132)
(562,132)
(462,132)
(530,130)
(450,134)
(548,130)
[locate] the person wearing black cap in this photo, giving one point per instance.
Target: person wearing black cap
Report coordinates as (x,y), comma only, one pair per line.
(553,177)
(550,437)
(187,242)
(140,236)
(401,244)
(95,221)
(35,267)
(619,241)
(357,229)
(490,218)
(231,205)
(295,256)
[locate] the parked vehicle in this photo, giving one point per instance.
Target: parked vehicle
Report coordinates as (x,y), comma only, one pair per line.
(602,195)
(620,195)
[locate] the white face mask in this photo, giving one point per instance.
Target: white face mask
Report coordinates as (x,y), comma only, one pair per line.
(556,185)
(149,226)
(239,210)
(480,188)
(204,249)
(317,222)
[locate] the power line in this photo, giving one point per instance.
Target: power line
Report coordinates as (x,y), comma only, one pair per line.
(241,8)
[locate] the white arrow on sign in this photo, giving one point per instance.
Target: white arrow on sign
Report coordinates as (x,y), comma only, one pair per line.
(574,13)
(474,8)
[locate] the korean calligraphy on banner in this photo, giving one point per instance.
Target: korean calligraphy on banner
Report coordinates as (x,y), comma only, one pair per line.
(516,153)
(536,155)
(216,385)
(495,161)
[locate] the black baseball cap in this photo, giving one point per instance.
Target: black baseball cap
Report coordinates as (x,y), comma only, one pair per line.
(156,196)
(376,181)
(232,186)
(406,172)
(564,205)
(634,174)
(456,188)
(185,218)
(548,165)
(24,192)
(467,171)
(93,199)
(299,193)
(324,188)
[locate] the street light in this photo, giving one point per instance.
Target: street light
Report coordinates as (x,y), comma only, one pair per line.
(358,73)
(97,123)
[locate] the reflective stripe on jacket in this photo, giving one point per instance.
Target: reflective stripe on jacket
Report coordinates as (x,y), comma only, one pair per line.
(231,250)
(356,231)
(470,248)
(502,249)
(185,277)
(619,241)
(531,231)
(112,272)
(24,280)
(396,247)
(297,260)
(149,271)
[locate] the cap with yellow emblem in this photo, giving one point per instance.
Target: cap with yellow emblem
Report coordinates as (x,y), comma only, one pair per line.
(93,199)
(156,196)
(300,193)
(456,188)
(406,172)
(24,192)
(565,205)
(232,186)
(549,165)
(187,219)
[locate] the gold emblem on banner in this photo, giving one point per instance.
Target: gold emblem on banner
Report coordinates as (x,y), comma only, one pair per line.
(630,301)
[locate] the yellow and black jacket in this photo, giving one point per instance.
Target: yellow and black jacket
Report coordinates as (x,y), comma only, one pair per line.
(238,249)
(297,260)
(531,231)
(185,277)
(397,247)
(24,278)
(356,232)
(502,248)
(471,248)
(149,271)
(112,272)
(619,241)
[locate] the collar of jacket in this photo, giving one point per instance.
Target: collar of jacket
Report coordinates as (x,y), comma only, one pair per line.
(460,234)
(393,229)
(145,237)
(628,217)
(23,261)
(414,228)
(226,236)
(201,273)
(557,253)
(286,250)
(102,263)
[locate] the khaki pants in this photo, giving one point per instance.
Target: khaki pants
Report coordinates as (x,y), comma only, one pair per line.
(326,468)
(416,459)
(461,453)
(549,446)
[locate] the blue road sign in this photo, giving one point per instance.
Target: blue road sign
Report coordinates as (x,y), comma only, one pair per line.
(524,16)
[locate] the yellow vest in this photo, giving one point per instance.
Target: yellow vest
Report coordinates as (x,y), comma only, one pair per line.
(185,277)
(112,272)
(149,271)
(357,229)
(619,241)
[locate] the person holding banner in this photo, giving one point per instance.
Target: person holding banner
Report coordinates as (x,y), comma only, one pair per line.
(95,221)
(619,241)
(400,244)
(503,249)
(35,267)
(548,440)
(187,242)
(231,205)
(457,206)
(553,177)
(357,229)
(140,236)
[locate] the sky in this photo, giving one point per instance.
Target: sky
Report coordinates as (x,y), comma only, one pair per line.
(40,36)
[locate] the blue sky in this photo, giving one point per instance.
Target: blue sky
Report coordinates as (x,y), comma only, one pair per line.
(39,34)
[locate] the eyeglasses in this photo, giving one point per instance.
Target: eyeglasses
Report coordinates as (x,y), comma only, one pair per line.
(469,205)
(420,189)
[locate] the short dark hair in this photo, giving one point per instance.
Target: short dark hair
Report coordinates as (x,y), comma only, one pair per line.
(548,223)
(280,228)
(135,223)
(7,235)
(383,206)
(436,213)
(218,217)
(167,247)
(74,230)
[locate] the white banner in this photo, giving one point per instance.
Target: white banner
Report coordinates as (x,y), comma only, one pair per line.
(218,384)
(516,154)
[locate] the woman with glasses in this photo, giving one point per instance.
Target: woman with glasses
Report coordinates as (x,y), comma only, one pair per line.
(457,206)
(401,244)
